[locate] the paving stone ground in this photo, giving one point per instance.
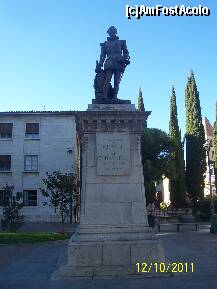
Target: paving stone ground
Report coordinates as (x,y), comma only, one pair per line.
(30,266)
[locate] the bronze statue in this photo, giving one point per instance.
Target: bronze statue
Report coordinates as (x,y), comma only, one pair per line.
(114,57)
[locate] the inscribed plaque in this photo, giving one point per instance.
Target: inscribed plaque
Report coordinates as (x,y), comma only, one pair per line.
(113,154)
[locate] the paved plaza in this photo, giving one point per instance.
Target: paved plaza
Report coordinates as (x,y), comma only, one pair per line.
(30,266)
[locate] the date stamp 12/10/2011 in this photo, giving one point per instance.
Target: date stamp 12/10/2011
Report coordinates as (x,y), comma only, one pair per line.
(162,267)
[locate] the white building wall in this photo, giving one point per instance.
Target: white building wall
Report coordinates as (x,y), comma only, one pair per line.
(209,136)
(56,150)
(163,187)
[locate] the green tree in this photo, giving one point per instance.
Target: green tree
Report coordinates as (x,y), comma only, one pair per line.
(177,180)
(215,147)
(61,190)
(140,101)
(12,216)
(155,146)
(195,139)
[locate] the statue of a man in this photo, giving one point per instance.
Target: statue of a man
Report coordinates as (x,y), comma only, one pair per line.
(115,57)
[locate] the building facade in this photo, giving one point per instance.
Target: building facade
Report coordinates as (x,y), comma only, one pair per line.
(31,144)
(162,190)
(209,136)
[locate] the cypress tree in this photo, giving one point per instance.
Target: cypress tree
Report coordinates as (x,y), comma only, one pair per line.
(177,178)
(215,147)
(195,139)
(140,101)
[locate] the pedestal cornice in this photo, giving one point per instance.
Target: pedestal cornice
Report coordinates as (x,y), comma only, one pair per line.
(108,121)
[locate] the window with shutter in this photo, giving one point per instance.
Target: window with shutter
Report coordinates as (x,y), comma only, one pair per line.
(32,130)
(1,197)
(5,162)
(6,130)
(4,199)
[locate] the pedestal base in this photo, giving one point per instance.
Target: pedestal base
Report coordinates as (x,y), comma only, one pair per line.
(111,253)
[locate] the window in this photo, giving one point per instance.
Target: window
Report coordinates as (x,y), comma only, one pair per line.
(30,197)
(6,130)
(32,130)
(5,163)
(31,163)
(3,198)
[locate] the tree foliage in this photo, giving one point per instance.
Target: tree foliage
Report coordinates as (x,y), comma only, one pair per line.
(61,190)
(140,101)
(177,180)
(155,146)
(12,216)
(195,139)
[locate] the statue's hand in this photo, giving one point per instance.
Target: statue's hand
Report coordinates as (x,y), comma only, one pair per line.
(127,59)
(100,65)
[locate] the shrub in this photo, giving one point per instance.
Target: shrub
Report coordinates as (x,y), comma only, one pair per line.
(203,208)
(12,216)
(60,189)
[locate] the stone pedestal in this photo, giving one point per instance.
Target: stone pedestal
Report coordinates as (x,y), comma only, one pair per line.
(113,234)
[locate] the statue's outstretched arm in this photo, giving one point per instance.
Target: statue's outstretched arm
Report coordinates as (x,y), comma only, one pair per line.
(102,55)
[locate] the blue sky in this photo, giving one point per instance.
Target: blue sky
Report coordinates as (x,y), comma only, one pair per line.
(49,48)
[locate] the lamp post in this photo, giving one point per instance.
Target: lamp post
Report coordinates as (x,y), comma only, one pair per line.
(207,147)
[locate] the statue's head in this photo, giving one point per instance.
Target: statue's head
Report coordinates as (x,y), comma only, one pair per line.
(112,31)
